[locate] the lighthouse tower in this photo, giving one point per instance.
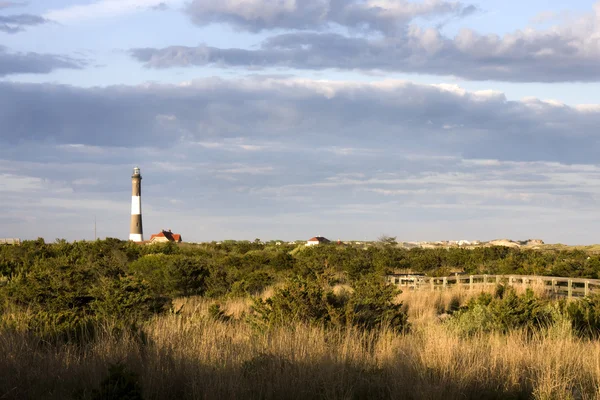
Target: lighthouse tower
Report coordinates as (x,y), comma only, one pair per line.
(136,233)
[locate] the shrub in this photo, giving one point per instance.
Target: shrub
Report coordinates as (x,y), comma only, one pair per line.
(372,305)
(310,300)
(219,281)
(172,275)
(584,315)
(253,283)
(66,301)
(503,312)
(127,298)
(301,299)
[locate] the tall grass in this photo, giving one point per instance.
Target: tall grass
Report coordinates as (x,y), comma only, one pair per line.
(191,355)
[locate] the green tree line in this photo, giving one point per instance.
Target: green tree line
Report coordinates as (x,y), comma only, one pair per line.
(67,287)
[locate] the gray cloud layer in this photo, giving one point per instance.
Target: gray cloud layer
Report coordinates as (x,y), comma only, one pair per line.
(386,16)
(34,63)
(290,158)
(409,116)
(17,23)
(564,53)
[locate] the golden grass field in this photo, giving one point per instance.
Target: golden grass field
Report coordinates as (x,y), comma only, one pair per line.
(191,356)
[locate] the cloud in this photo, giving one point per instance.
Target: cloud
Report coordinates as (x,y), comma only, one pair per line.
(371,15)
(15,183)
(106,9)
(564,53)
(8,4)
(17,23)
(160,7)
(240,169)
(254,115)
(283,158)
(35,63)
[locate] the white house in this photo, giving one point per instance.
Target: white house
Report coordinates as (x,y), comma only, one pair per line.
(166,236)
(317,240)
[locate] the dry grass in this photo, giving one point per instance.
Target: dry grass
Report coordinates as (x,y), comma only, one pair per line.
(188,355)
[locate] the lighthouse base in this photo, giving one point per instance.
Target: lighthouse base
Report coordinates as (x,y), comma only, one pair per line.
(136,237)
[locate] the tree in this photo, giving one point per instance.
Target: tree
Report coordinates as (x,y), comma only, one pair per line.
(387,240)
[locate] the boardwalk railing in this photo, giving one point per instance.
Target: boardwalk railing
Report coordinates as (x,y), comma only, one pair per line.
(570,287)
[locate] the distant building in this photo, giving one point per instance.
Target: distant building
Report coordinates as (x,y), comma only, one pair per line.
(10,241)
(317,240)
(166,236)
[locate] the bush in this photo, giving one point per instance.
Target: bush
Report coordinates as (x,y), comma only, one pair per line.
(301,299)
(66,301)
(219,281)
(503,312)
(172,275)
(584,315)
(252,284)
(369,305)
(127,298)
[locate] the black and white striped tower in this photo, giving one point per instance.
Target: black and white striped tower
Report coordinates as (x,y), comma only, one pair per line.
(136,233)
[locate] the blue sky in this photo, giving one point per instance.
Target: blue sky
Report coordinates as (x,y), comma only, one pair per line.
(425,120)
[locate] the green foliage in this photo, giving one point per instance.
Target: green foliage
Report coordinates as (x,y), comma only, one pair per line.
(66,288)
(119,384)
(220,281)
(585,316)
(309,300)
(503,312)
(65,300)
(372,305)
(301,299)
(253,283)
(172,275)
(215,267)
(127,297)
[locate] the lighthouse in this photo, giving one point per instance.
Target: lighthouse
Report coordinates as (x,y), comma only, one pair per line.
(136,233)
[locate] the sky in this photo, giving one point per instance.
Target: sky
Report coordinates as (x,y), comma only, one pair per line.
(285,119)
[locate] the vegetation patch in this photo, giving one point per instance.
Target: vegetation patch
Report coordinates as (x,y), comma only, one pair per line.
(503,311)
(369,305)
(281,321)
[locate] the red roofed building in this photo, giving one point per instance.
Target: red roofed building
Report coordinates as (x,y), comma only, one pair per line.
(166,236)
(317,240)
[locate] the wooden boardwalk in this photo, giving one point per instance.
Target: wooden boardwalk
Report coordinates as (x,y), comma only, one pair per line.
(569,287)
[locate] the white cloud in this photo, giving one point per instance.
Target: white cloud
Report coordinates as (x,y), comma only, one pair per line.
(81,148)
(245,169)
(17,183)
(567,52)
(105,9)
